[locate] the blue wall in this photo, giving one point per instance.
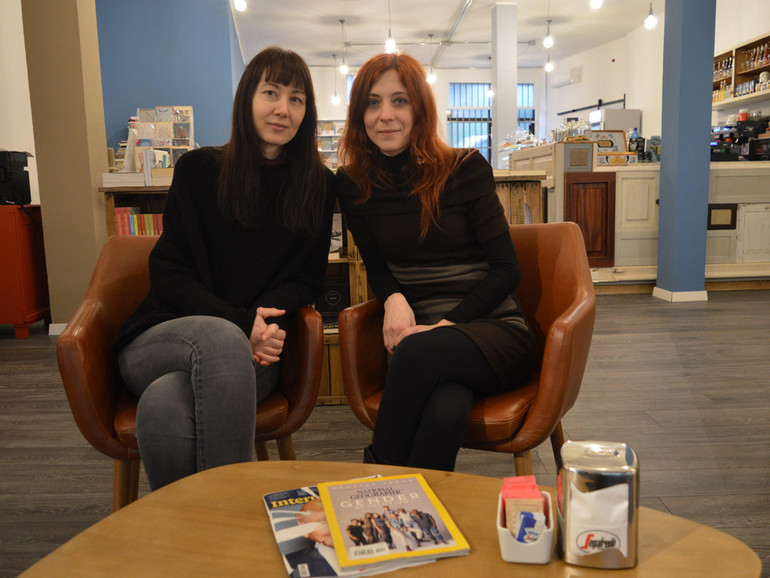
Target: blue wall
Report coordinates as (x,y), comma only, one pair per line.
(161,53)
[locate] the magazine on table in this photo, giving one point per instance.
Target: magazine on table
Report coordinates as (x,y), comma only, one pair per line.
(391,518)
(302,534)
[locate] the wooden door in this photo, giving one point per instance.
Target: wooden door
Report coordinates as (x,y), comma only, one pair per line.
(589,201)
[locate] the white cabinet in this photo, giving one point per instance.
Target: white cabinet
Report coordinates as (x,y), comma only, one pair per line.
(636,217)
(753,239)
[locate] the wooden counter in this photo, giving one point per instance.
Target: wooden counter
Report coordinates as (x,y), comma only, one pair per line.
(519,190)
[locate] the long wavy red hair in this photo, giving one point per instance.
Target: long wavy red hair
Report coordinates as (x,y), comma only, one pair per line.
(431,158)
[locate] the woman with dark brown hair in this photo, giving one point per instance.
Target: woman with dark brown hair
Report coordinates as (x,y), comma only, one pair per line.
(246,232)
(438,255)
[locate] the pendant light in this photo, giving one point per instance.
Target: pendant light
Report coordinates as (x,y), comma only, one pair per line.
(390,44)
(549,65)
(240,5)
(651,22)
(335,98)
(548,39)
(596,4)
(431,78)
(343,67)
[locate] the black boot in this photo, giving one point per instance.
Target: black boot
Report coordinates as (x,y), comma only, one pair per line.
(369,454)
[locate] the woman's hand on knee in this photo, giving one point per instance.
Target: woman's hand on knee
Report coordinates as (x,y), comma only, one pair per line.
(267,339)
(398,317)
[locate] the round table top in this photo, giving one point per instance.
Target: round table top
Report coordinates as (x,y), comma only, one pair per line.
(215,524)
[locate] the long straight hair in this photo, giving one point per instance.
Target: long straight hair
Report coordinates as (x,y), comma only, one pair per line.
(431,160)
(302,198)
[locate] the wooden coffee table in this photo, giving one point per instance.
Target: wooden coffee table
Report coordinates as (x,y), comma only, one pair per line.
(214,524)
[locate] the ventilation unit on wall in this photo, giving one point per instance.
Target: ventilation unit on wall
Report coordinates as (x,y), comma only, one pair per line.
(575,76)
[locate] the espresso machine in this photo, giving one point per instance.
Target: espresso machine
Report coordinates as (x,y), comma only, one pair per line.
(723,146)
(747,142)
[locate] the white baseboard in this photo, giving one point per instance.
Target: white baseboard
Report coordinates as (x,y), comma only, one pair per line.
(679,296)
(56,328)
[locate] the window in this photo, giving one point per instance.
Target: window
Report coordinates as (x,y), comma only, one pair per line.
(469,117)
(525,98)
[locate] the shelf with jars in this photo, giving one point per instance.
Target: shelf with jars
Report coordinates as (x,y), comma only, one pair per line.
(329,132)
(742,75)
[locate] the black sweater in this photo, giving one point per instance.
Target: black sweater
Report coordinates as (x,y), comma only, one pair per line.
(205,265)
(464,270)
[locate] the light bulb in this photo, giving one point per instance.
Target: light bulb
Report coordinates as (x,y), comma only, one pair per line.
(651,21)
(344,68)
(390,45)
(549,66)
(596,4)
(335,100)
(490,92)
(548,40)
(240,5)
(431,78)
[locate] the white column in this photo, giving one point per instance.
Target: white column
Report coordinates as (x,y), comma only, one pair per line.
(504,74)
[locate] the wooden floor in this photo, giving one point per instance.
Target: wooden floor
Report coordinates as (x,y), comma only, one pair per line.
(686,385)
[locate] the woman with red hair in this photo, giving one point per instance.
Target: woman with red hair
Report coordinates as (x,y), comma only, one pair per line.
(438,255)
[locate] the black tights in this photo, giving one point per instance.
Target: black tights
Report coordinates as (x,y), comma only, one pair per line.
(432,380)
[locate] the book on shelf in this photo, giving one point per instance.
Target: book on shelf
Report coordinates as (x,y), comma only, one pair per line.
(123,217)
(161,177)
(301,531)
(131,221)
(123,179)
(417,524)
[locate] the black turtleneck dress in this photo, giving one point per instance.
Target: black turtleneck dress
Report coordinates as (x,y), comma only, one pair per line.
(464,270)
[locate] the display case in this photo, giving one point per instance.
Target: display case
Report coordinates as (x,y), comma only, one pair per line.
(738,74)
(329,132)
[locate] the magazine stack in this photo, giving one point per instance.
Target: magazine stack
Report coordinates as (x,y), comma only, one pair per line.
(362,527)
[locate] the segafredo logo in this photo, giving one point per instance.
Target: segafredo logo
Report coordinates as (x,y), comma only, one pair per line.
(597,541)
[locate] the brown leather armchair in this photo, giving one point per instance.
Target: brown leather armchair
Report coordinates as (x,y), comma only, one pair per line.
(105,412)
(557,294)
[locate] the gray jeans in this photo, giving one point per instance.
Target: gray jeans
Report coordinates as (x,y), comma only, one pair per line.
(198,388)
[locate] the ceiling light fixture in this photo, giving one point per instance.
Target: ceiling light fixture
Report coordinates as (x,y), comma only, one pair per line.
(343,67)
(431,78)
(651,22)
(390,44)
(335,98)
(596,4)
(240,5)
(549,65)
(548,39)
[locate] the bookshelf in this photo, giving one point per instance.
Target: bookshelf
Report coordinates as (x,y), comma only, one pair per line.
(150,200)
(344,264)
(329,132)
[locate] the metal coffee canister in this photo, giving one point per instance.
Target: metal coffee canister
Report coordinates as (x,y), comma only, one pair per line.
(598,504)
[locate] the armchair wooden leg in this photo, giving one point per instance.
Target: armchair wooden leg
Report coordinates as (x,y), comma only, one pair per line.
(557,440)
(522,463)
(262,454)
(286,448)
(125,483)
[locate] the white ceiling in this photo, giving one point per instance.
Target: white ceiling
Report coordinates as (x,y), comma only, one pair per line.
(312,28)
